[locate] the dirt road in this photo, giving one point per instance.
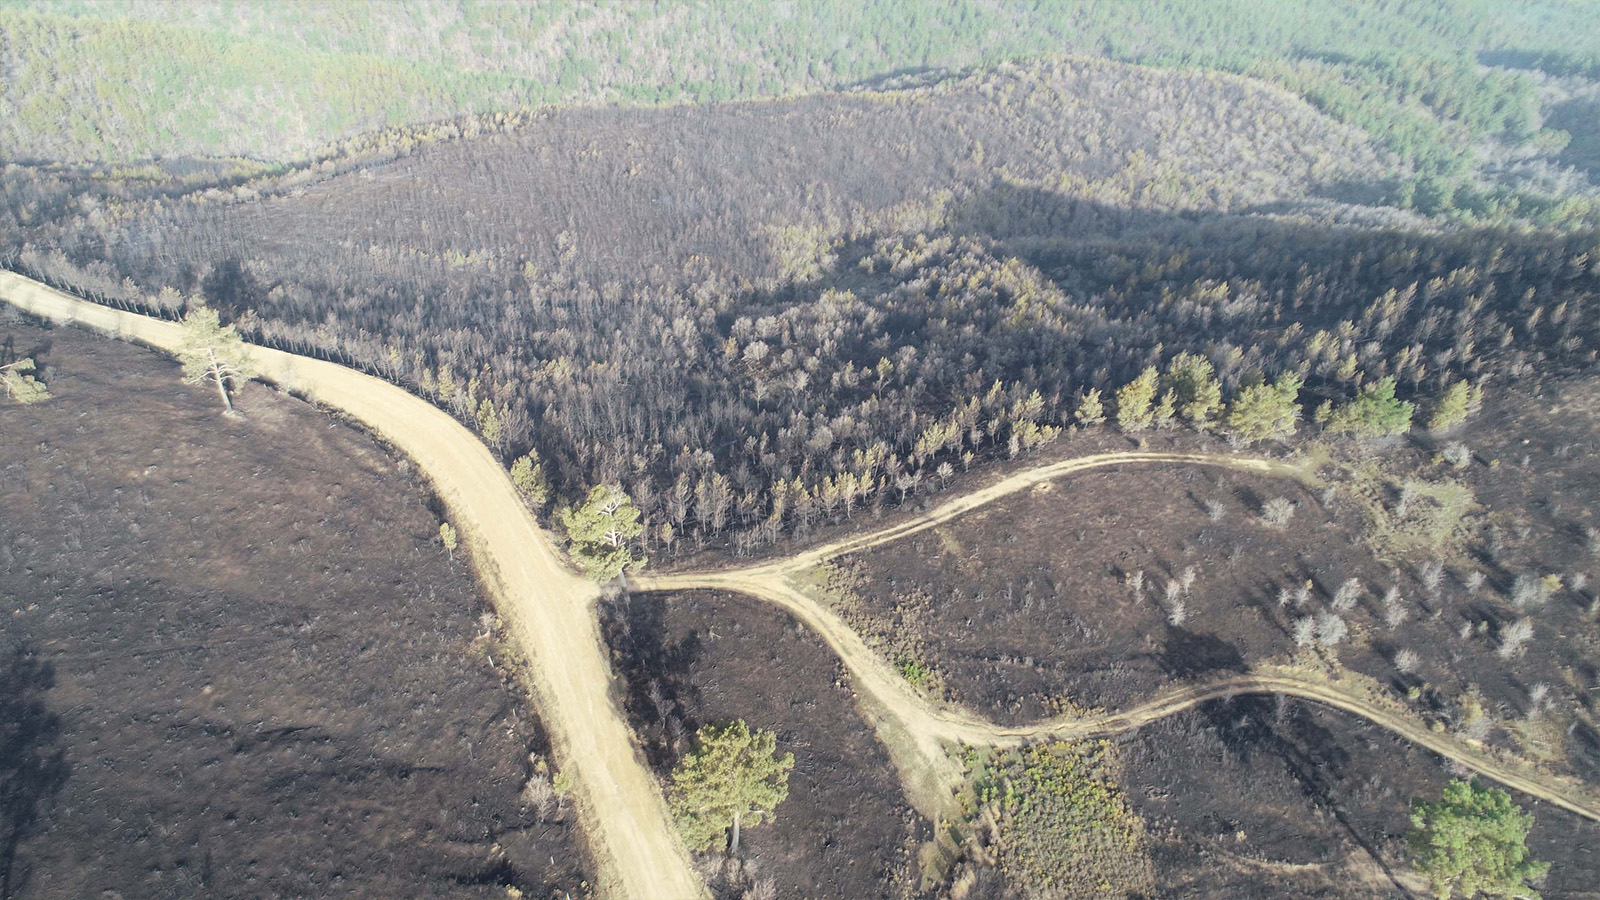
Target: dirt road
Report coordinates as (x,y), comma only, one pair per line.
(549,608)
(918,733)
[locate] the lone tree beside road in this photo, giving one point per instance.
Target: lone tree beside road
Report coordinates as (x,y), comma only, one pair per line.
(1472,841)
(733,778)
(601,533)
(214,352)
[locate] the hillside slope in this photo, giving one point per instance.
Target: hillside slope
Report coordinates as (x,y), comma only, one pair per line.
(754,311)
(126,80)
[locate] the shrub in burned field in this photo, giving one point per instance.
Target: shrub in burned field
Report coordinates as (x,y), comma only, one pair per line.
(1277,512)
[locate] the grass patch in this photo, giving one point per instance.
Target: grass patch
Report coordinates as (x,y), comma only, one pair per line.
(1052,819)
(1413,517)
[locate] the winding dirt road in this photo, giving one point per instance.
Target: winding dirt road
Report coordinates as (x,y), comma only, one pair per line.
(549,609)
(551,612)
(919,733)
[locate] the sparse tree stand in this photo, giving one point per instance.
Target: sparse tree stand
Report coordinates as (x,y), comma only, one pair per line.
(213,352)
(601,533)
(1472,841)
(16,379)
(733,778)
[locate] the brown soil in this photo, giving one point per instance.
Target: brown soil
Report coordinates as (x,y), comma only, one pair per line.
(699,657)
(1264,798)
(245,666)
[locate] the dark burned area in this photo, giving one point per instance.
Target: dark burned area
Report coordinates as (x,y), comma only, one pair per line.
(1028,599)
(1258,798)
(694,302)
(724,309)
(702,657)
(237,662)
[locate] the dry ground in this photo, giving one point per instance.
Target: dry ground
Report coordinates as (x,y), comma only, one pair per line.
(250,669)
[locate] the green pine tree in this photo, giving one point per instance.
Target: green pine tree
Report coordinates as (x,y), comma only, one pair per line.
(733,778)
(601,533)
(1195,382)
(18,382)
(1091,411)
(447,536)
(1134,399)
(527,473)
(212,351)
(1373,413)
(1458,401)
(1265,411)
(1472,841)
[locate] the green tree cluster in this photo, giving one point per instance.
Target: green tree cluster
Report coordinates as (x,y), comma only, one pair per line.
(1473,841)
(78,85)
(1373,413)
(732,779)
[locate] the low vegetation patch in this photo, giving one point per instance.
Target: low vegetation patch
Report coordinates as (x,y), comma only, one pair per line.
(1413,517)
(1052,819)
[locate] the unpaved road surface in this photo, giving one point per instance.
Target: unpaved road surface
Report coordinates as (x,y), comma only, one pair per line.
(549,608)
(551,613)
(919,733)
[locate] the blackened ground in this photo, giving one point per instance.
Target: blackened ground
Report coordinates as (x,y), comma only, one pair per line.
(1028,600)
(237,661)
(1258,797)
(701,657)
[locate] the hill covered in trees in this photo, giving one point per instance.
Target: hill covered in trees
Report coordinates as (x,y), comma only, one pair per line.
(123,81)
(756,317)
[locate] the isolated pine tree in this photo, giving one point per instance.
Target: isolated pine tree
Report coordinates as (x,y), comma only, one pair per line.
(733,778)
(601,533)
(18,383)
(213,352)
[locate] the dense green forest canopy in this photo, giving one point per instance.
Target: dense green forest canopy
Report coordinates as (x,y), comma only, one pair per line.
(119,80)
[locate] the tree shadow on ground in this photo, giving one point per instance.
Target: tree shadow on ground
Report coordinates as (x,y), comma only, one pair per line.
(33,767)
(655,671)
(1274,726)
(1187,654)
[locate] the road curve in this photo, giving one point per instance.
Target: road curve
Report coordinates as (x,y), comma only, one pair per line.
(1019,482)
(918,732)
(548,608)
